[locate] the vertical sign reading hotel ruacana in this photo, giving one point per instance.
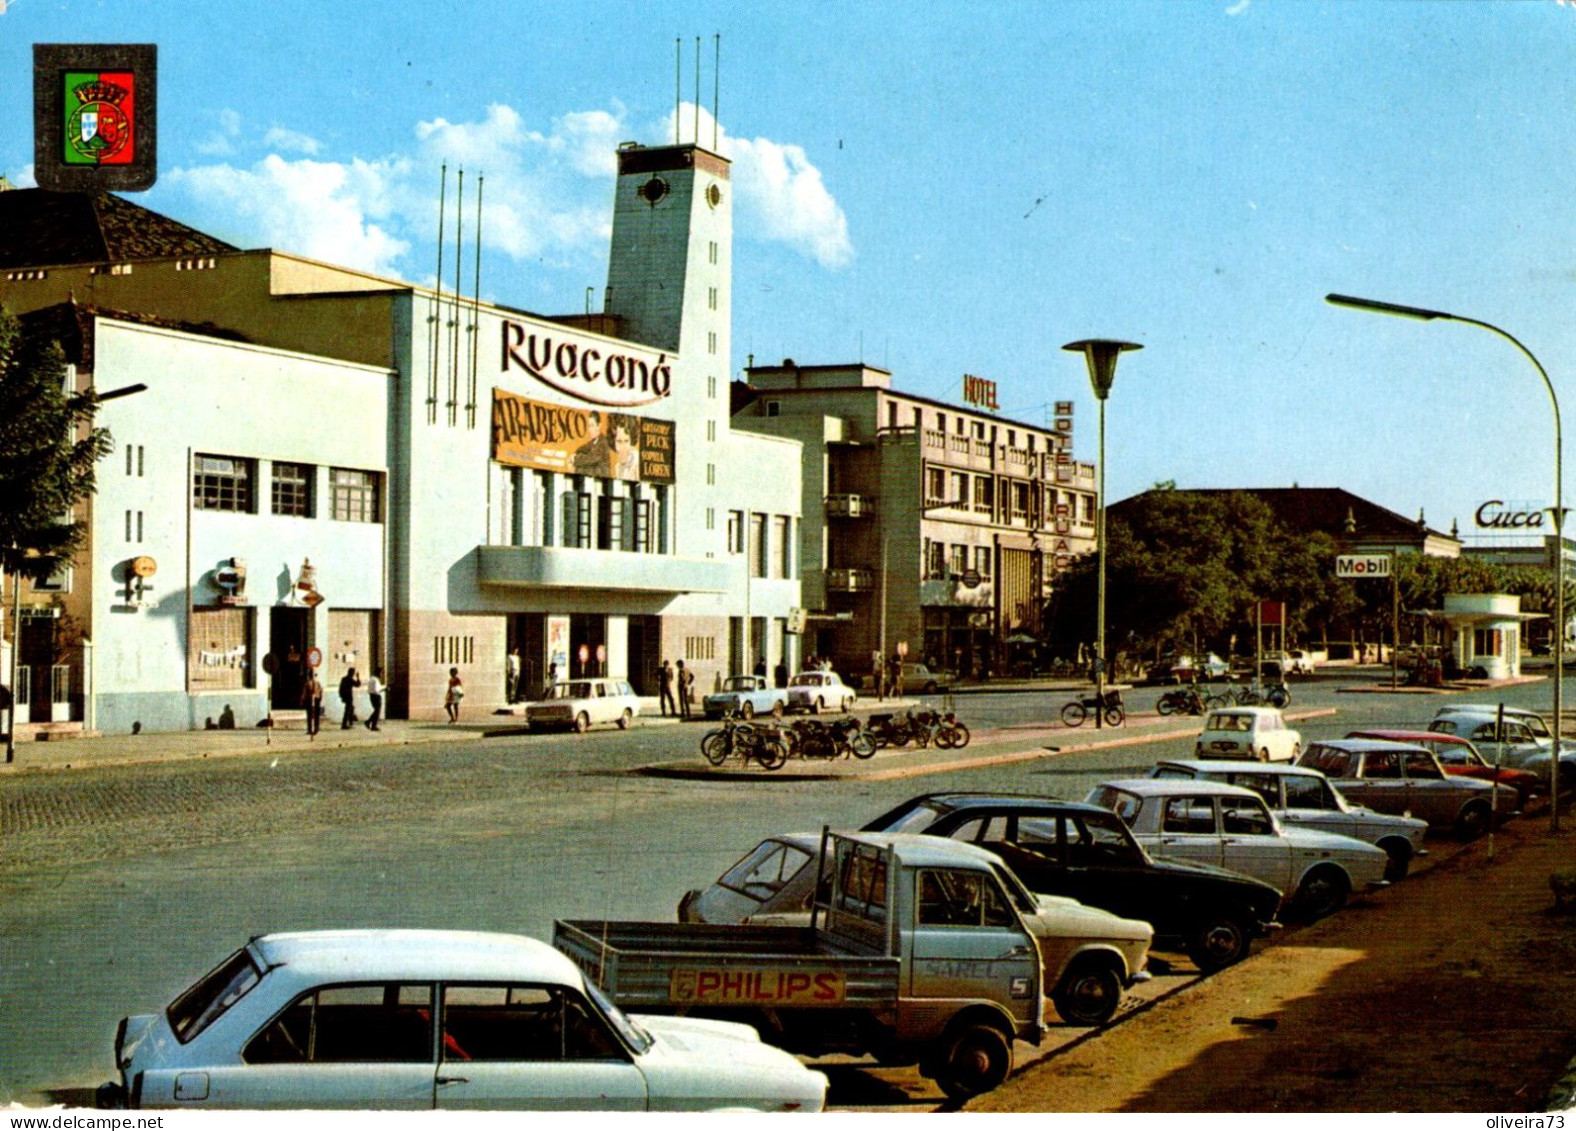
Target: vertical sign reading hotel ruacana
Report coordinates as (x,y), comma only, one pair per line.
(93,116)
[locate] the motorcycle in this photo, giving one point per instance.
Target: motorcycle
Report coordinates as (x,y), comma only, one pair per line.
(892,729)
(751,742)
(1187,700)
(951,732)
(812,738)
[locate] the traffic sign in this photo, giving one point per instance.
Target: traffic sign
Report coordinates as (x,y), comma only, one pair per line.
(971,579)
(1362,565)
(314,658)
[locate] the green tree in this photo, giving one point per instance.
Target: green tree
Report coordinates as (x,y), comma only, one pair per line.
(48,450)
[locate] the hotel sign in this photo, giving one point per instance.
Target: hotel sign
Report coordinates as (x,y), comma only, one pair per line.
(980,392)
(579,441)
(623,378)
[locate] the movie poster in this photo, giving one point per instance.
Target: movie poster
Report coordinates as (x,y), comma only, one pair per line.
(579,441)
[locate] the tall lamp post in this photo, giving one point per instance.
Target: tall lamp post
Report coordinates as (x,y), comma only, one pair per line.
(1375,307)
(1101,355)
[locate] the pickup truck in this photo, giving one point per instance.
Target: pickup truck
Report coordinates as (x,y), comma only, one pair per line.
(918,951)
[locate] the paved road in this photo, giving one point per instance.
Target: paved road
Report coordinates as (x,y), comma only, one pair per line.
(119,885)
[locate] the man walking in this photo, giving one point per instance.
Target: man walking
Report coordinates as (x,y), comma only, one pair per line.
(665,703)
(347,696)
(312,700)
(375,694)
(686,690)
(512,691)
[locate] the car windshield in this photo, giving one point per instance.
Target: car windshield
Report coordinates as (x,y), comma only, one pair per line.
(914,820)
(1125,805)
(807,680)
(1306,791)
(636,1037)
(762,873)
(211,995)
(740,683)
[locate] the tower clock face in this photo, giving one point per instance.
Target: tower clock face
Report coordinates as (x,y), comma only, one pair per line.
(653,190)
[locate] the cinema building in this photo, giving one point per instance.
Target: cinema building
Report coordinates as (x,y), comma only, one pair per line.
(931,529)
(328,465)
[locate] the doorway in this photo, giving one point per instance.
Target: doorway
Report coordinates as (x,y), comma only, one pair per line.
(288,640)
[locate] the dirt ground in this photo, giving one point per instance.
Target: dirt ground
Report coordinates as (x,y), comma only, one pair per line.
(1454,991)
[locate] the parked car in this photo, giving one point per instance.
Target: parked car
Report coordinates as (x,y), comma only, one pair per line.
(581,703)
(1392,777)
(746,696)
(818,691)
(1260,733)
(1524,742)
(756,891)
(445,1020)
(1305,797)
(1185,669)
(1086,852)
(1231,827)
(1300,661)
(1055,847)
(1457,755)
(921,679)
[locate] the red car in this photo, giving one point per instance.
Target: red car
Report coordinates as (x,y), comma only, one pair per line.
(1458,756)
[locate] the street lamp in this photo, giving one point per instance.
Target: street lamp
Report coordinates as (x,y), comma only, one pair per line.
(1101,354)
(1422,315)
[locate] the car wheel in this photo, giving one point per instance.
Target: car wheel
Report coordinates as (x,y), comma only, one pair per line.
(1264,753)
(714,747)
(778,708)
(1473,821)
(1400,853)
(1089,994)
(978,1059)
(1217,942)
(625,719)
(747,710)
(818,706)
(929,688)
(1323,892)
(582,723)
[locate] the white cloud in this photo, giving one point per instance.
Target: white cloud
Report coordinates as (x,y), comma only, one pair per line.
(27,178)
(322,210)
(779,189)
(289,140)
(1238,8)
(220,143)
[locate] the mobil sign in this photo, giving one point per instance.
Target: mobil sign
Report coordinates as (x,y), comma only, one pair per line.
(1362,565)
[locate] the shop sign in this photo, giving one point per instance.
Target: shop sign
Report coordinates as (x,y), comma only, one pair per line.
(231,581)
(624,378)
(581,441)
(980,392)
(1497,515)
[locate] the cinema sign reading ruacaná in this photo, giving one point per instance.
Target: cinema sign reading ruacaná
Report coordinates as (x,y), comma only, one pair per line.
(620,378)
(581,441)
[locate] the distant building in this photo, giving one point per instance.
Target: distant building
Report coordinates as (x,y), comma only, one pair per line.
(931,527)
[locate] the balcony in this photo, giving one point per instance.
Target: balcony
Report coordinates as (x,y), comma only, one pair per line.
(850,580)
(847,505)
(558,567)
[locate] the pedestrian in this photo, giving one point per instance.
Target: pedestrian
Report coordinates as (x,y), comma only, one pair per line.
(665,703)
(511,688)
(781,674)
(312,700)
(452,696)
(375,694)
(686,689)
(878,674)
(760,668)
(347,696)
(552,678)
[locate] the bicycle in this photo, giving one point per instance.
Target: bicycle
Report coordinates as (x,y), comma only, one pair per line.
(1111,708)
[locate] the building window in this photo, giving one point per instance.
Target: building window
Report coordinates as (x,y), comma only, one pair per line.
(711,252)
(292,489)
(960,561)
(1088,508)
(222,483)
(935,559)
(57,582)
(134,459)
(935,484)
(982,561)
(643,543)
(354,495)
(735,532)
(610,523)
(711,388)
(219,649)
(774,408)
(782,545)
(960,489)
(891,414)
(700,647)
(711,518)
(711,341)
(711,475)
(1020,501)
(711,297)
(711,430)
(759,556)
(984,494)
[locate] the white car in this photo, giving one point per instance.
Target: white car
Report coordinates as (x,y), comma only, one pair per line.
(581,703)
(1259,733)
(444,1020)
(819,691)
(1231,827)
(1302,796)
(1296,661)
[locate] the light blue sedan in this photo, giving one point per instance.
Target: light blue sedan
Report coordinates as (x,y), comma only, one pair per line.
(748,696)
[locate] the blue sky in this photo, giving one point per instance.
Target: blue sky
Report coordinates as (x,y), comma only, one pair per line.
(944,189)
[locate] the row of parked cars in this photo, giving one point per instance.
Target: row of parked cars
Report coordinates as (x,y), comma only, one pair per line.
(868,942)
